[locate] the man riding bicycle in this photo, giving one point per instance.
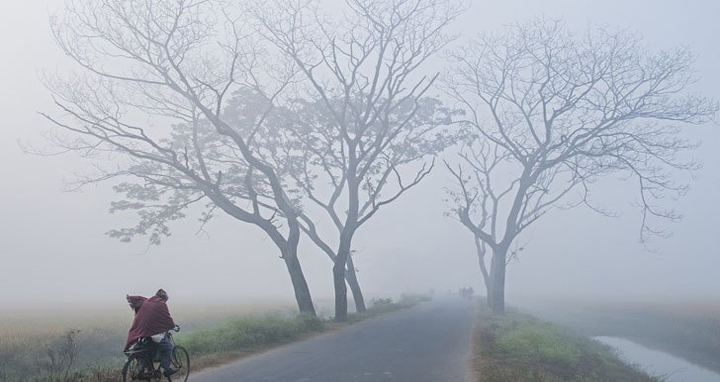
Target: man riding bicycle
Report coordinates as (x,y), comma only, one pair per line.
(152,319)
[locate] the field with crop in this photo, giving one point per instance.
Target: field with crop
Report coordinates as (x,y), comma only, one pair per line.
(34,341)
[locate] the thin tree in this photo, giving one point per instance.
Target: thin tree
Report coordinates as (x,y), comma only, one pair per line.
(364,72)
(550,112)
(148,65)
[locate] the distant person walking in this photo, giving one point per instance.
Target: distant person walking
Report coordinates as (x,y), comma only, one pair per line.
(152,319)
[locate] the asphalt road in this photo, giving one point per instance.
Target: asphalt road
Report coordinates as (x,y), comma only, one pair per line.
(430,342)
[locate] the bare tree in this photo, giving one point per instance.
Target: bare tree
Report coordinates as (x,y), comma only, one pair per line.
(371,114)
(156,77)
(325,161)
(276,143)
(549,112)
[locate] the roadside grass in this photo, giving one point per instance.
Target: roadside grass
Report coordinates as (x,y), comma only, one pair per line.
(519,347)
(24,354)
(239,337)
(106,374)
(387,305)
(249,332)
(685,329)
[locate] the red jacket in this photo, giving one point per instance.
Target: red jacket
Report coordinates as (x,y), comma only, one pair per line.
(151,317)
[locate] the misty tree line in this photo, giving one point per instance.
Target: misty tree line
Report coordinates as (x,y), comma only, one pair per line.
(283,117)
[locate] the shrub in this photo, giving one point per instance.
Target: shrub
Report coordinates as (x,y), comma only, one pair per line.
(378,303)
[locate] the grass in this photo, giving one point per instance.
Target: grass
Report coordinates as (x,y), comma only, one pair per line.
(240,337)
(689,330)
(386,305)
(519,347)
(211,340)
(249,332)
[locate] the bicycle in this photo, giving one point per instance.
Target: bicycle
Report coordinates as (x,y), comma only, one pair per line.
(140,364)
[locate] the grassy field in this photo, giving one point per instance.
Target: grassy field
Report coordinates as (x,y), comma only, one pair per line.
(29,339)
(689,330)
(39,346)
(519,347)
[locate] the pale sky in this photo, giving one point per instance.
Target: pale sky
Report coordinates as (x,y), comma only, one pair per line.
(53,247)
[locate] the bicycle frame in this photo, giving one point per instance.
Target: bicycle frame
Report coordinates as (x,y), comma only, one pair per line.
(146,357)
(149,354)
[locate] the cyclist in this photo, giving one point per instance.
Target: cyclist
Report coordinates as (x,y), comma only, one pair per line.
(152,319)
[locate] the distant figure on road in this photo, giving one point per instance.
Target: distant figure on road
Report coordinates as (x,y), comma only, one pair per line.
(152,319)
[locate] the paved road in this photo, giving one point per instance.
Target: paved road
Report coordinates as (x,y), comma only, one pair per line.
(428,343)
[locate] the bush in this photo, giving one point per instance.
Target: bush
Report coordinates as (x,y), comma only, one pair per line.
(379,303)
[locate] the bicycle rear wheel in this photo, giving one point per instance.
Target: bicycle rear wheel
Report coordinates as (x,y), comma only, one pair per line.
(133,369)
(180,362)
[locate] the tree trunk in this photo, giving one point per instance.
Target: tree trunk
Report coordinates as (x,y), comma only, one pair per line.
(302,291)
(341,260)
(488,285)
(351,278)
(346,236)
(481,252)
(497,280)
(340,291)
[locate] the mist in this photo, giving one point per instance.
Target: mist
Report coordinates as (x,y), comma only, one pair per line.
(240,156)
(55,250)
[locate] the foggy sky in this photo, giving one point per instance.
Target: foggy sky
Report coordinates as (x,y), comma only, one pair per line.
(53,247)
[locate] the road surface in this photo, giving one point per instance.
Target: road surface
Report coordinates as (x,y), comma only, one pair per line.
(427,343)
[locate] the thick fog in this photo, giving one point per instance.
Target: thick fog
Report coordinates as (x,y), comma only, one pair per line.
(54,248)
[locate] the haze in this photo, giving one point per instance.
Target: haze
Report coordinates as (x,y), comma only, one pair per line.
(54,251)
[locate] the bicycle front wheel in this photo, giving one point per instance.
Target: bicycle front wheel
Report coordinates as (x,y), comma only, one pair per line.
(180,362)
